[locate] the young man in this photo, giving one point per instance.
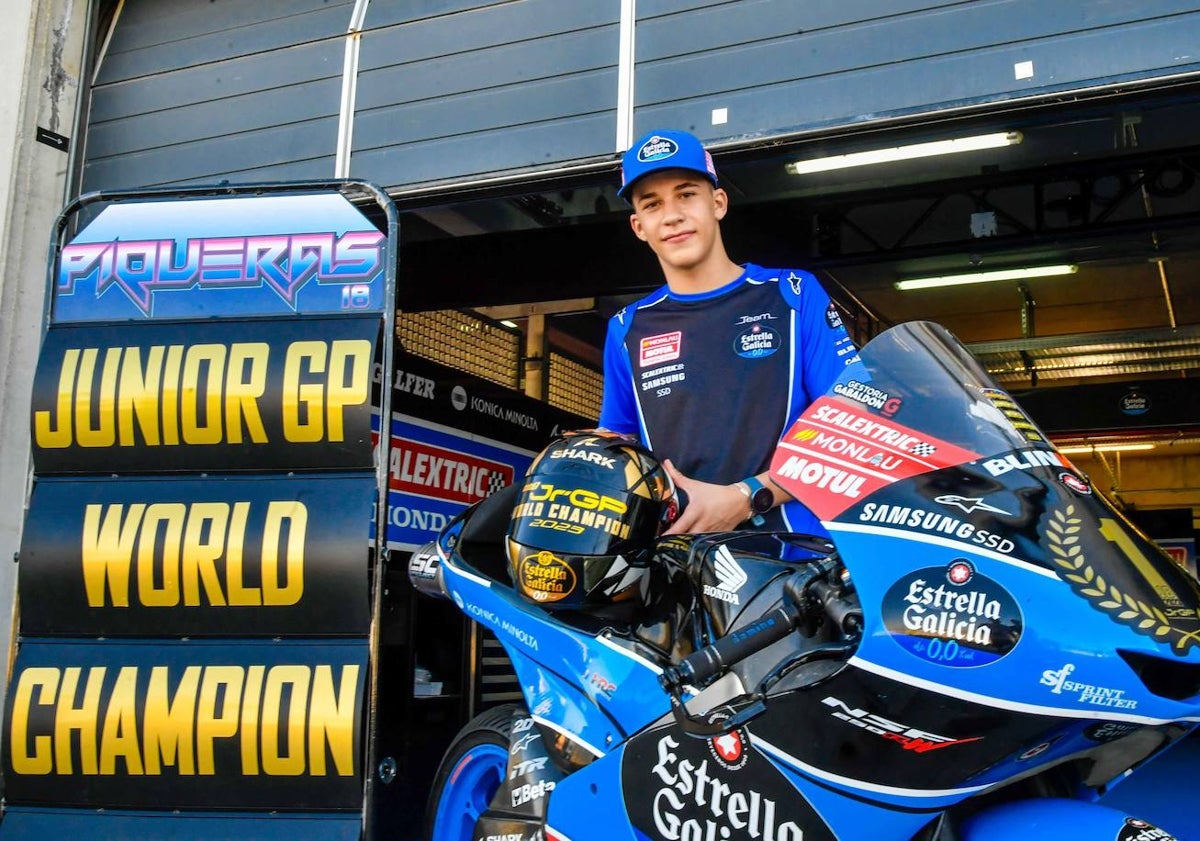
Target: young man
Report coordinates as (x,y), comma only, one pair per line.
(711,369)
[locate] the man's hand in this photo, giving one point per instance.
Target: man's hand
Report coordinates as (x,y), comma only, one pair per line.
(710,507)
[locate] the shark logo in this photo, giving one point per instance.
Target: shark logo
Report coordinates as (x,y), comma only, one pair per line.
(730,577)
(969,504)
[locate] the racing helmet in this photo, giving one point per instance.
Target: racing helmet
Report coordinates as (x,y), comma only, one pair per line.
(583,531)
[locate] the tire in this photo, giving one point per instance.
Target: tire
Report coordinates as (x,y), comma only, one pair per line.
(469,775)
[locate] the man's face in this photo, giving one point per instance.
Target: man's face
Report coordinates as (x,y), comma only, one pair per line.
(676,212)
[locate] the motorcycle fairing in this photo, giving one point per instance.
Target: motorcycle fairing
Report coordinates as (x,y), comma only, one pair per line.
(1053,819)
(604,689)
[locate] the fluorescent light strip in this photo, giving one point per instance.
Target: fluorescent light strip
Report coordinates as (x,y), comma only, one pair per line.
(904,153)
(984,277)
(1103,448)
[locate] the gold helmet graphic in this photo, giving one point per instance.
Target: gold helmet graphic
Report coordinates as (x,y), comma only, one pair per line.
(583,531)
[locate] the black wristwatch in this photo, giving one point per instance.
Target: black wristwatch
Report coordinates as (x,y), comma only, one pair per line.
(761,498)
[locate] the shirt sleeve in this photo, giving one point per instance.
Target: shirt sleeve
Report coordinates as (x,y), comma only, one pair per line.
(825,348)
(618,410)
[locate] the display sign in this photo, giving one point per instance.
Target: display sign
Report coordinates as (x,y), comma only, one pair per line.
(231,256)
(197,557)
(184,725)
(222,395)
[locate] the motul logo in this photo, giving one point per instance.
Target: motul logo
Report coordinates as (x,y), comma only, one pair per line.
(822,476)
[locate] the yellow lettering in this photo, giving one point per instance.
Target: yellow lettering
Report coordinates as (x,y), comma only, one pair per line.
(50,437)
(107,551)
(296,515)
(331,720)
(290,761)
(138,395)
(211,724)
(303,402)
(40,761)
(210,357)
(201,548)
(167,727)
(83,718)
(344,390)
(250,703)
(170,394)
(242,393)
(104,433)
(119,737)
(235,579)
(171,516)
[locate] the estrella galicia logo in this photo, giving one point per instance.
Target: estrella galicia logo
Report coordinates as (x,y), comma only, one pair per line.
(657,148)
(953,616)
(759,341)
(832,317)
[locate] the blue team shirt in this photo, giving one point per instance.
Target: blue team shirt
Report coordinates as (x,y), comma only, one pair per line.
(712,381)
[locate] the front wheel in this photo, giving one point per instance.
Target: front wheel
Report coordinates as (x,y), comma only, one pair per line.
(469,775)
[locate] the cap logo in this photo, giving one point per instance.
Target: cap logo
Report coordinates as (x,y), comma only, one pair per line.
(657,148)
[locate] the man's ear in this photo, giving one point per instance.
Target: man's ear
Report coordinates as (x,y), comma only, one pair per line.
(636,224)
(720,203)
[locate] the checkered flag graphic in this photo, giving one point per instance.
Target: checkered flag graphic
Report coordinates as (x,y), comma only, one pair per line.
(495,482)
(923,449)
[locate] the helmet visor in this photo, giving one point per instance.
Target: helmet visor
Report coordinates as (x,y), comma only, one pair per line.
(579,516)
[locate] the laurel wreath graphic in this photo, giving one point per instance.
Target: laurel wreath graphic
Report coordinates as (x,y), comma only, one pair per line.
(1063,533)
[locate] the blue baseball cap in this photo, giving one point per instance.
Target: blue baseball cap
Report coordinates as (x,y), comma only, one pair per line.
(664,149)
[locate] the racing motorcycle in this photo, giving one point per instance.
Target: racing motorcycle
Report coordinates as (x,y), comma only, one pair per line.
(983,649)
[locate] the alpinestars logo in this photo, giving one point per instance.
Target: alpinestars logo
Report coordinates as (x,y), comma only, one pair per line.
(730,577)
(969,504)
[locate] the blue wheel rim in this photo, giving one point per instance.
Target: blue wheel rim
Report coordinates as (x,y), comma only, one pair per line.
(468,792)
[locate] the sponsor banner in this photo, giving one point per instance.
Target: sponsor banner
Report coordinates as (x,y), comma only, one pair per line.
(21,823)
(435,472)
(837,454)
(205,396)
(432,392)
(202,557)
(185,725)
(230,256)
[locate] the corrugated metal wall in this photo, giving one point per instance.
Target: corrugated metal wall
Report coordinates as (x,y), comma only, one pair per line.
(204,90)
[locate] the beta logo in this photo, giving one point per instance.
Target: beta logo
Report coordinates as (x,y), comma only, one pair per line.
(757,342)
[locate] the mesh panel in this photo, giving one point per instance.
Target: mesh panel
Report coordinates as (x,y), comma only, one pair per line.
(464,341)
(574,386)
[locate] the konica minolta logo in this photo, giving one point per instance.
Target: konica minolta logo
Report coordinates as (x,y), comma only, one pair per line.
(657,147)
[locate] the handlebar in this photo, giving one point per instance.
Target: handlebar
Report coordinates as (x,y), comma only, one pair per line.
(701,666)
(806,594)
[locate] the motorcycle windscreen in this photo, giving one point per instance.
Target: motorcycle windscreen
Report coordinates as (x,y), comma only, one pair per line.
(916,441)
(915,402)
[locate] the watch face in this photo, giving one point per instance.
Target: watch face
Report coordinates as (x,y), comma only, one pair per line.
(760,503)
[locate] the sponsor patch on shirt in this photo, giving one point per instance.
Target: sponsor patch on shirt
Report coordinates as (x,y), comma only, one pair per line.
(661,348)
